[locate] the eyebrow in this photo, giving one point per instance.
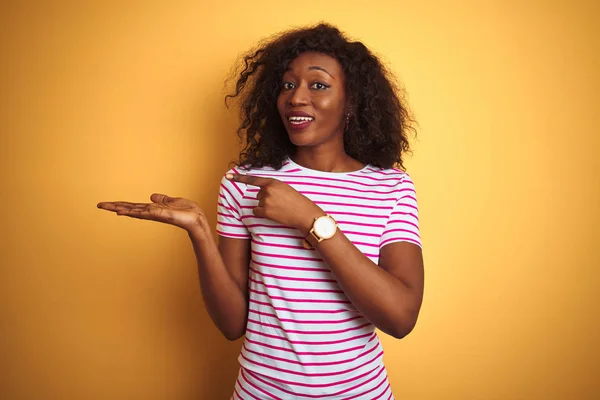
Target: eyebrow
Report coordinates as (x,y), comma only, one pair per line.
(314,67)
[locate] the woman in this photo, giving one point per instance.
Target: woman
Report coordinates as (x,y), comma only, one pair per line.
(318,232)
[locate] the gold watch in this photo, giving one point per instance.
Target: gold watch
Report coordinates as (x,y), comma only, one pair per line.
(323,228)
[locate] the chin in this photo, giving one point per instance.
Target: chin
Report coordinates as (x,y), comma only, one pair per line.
(301,139)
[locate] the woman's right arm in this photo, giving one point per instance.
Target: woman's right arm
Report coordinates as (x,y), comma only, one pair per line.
(223,272)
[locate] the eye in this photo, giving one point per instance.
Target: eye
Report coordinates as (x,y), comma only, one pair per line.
(287,85)
(319,86)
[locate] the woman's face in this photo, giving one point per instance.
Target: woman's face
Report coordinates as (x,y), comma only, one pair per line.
(312,101)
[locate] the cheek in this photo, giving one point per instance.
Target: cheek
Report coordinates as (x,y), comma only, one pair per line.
(332,107)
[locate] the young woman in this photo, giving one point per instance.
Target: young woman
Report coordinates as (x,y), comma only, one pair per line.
(318,226)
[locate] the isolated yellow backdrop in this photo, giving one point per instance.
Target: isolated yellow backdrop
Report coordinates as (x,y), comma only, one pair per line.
(116,100)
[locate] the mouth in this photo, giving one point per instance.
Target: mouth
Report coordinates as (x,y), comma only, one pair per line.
(297,122)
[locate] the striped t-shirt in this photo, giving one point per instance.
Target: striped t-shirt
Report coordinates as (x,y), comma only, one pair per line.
(304,339)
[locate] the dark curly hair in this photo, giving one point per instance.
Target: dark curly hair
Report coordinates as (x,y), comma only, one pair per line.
(379,119)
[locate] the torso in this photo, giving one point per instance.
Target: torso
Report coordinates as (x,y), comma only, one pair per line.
(304,339)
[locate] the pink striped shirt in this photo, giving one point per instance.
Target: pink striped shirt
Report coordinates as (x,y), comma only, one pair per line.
(304,338)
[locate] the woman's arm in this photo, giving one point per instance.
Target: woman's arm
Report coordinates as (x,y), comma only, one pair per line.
(223,272)
(389,295)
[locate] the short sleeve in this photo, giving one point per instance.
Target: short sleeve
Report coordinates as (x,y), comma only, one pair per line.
(229,210)
(403,222)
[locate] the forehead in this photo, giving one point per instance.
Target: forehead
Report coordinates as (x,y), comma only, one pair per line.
(307,60)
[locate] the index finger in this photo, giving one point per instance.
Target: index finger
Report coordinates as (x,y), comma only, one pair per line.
(250,179)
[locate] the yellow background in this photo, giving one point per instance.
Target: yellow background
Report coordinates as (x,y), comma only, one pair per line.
(117,100)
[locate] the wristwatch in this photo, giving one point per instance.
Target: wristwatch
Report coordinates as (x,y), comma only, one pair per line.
(323,227)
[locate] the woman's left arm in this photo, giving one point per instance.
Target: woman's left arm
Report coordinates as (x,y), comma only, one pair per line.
(389,295)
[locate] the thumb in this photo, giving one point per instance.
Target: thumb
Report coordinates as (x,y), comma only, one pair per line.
(160,198)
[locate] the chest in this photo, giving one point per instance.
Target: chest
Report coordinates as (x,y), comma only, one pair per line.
(361,213)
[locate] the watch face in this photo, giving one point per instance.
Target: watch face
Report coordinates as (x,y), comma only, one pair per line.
(325,227)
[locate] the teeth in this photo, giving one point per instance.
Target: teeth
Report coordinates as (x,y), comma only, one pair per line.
(299,119)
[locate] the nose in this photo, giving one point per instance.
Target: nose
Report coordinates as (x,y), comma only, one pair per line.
(299,97)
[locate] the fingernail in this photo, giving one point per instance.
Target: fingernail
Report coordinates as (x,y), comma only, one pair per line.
(229,176)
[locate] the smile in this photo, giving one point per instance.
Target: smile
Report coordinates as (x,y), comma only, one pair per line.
(299,120)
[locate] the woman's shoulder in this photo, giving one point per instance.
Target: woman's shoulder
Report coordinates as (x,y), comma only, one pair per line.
(386,175)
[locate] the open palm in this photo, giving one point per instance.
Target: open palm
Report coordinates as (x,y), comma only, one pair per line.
(176,211)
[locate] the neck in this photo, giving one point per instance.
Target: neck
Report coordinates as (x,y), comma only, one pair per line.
(325,160)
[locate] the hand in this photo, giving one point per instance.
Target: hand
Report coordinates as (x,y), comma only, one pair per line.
(176,211)
(281,203)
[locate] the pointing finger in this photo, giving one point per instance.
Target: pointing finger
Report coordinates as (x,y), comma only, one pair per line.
(250,179)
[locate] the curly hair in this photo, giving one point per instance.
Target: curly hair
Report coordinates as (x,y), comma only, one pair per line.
(377,132)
